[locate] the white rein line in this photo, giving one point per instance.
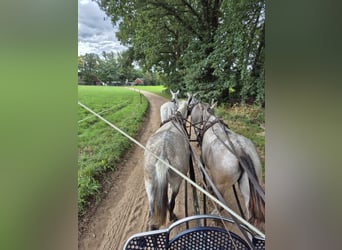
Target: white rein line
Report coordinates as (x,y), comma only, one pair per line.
(251,227)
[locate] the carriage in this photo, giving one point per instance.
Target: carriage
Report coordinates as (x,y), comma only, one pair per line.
(199,231)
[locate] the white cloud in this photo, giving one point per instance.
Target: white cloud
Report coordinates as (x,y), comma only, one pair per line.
(95,30)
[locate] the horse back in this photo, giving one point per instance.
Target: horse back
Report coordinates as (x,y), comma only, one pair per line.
(169,143)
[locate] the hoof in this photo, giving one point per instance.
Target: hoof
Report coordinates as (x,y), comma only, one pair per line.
(153,227)
(173,218)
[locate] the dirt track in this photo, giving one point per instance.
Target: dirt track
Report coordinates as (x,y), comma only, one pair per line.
(124,210)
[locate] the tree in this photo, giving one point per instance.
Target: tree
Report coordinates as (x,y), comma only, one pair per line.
(126,68)
(88,65)
(108,68)
(207,46)
(239,49)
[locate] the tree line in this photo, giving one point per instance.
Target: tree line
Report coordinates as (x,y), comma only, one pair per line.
(113,68)
(214,47)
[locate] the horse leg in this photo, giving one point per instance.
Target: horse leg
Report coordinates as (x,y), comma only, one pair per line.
(175,189)
(245,191)
(173,217)
(150,224)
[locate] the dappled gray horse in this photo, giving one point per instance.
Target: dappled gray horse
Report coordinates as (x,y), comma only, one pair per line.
(169,108)
(197,116)
(223,152)
(192,101)
(170,143)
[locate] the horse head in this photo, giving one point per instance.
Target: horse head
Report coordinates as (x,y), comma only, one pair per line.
(202,112)
(208,110)
(192,101)
(174,96)
(183,109)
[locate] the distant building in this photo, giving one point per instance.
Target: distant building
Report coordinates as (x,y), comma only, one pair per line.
(138,81)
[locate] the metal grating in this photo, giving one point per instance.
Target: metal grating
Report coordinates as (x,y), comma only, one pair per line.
(199,237)
(148,242)
(259,244)
(207,238)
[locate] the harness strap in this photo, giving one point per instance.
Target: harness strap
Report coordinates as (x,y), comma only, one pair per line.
(205,128)
(217,120)
(238,202)
(242,160)
(166,121)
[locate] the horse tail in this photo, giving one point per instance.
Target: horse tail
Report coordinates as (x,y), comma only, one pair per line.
(160,194)
(256,204)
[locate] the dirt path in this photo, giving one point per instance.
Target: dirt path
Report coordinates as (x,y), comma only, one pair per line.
(124,211)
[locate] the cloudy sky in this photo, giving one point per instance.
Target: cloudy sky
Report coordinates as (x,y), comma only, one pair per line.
(95,30)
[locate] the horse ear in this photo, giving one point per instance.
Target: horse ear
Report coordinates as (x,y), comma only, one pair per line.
(177,92)
(213,105)
(171,92)
(195,94)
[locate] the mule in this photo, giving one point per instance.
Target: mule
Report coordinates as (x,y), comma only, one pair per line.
(223,152)
(170,143)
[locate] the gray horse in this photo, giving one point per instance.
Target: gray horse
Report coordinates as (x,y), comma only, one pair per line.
(223,152)
(170,143)
(169,108)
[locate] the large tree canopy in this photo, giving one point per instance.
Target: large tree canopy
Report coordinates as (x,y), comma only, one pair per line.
(209,46)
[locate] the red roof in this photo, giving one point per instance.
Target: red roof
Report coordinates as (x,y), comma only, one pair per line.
(138,81)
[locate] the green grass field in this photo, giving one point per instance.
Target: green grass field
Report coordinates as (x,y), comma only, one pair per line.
(100,146)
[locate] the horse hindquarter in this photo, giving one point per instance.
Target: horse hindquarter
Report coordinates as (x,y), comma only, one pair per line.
(170,145)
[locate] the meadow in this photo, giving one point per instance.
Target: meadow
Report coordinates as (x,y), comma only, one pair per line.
(100,146)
